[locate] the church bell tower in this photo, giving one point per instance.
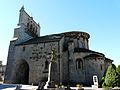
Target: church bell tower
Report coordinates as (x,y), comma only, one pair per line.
(26,28)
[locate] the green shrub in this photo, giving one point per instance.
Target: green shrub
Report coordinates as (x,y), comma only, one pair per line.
(118,71)
(111,77)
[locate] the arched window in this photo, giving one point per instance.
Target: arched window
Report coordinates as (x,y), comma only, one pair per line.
(31,27)
(46,64)
(79,64)
(28,25)
(34,30)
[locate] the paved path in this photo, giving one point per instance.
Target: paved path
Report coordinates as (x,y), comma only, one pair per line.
(13,87)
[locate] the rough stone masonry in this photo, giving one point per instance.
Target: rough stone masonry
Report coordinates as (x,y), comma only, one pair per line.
(29,56)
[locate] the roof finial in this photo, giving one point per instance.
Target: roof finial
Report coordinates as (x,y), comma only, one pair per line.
(22,8)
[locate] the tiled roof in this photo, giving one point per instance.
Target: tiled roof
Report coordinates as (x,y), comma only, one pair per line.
(54,37)
(86,50)
(107,59)
(93,55)
(42,39)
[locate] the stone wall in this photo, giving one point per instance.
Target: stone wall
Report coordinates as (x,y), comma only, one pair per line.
(94,66)
(36,55)
(10,60)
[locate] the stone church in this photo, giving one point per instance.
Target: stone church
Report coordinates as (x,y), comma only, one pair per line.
(29,56)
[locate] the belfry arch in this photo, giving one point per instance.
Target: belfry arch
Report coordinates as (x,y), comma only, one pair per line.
(22,72)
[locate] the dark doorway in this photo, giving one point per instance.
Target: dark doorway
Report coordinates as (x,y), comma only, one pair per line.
(22,73)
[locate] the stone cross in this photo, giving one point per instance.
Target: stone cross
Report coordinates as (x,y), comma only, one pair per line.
(53,55)
(50,83)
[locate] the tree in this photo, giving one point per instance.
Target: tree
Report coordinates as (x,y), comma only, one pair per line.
(118,71)
(111,77)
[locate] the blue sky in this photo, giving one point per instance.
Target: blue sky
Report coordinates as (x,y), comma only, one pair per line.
(100,18)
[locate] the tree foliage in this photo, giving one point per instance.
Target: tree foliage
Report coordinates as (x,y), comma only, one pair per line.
(111,77)
(118,69)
